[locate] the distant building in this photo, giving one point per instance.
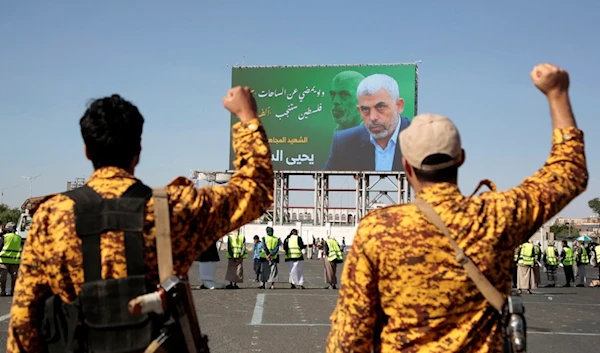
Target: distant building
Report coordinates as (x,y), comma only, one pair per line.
(589,226)
(77,183)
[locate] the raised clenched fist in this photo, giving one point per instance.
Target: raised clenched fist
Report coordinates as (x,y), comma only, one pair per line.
(550,79)
(240,102)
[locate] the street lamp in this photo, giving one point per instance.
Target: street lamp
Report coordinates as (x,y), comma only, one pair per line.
(30,179)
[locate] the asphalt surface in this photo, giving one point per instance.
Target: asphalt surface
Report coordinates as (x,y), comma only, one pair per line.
(295,320)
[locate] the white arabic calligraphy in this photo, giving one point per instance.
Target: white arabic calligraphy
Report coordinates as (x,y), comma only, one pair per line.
(289,109)
(270,94)
(278,157)
(301,158)
(309,111)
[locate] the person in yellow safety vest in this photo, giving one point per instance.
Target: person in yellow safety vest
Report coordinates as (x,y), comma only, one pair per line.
(236,253)
(536,264)
(581,260)
(567,260)
(269,258)
(10,258)
(293,246)
(333,256)
(525,278)
(551,261)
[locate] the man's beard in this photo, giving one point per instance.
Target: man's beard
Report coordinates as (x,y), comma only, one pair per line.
(382,134)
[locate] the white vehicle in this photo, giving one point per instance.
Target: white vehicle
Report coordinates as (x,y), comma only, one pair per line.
(24,222)
(23,225)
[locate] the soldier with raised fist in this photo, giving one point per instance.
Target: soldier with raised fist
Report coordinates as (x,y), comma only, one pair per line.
(421,298)
(104,238)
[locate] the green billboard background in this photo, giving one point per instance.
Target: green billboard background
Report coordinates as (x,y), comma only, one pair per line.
(295,107)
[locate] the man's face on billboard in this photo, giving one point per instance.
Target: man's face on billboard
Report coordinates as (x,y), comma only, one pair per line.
(380,113)
(343,98)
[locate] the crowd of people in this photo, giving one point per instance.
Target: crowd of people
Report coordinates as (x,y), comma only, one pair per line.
(266,253)
(530,260)
(405,284)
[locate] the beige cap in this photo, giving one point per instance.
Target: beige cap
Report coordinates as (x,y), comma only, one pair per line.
(430,134)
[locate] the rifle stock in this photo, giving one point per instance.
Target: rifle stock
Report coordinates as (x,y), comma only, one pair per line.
(181,332)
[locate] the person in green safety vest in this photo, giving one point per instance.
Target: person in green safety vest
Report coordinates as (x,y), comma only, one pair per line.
(551,262)
(567,260)
(333,256)
(293,246)
(269,258)
(526,262)
(236,253)
(581,260)
(10,258)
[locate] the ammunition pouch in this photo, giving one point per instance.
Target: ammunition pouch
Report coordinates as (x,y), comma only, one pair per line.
(98,320)
(58,326)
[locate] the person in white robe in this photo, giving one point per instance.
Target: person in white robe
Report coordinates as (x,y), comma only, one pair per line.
(208,265)
(293,246)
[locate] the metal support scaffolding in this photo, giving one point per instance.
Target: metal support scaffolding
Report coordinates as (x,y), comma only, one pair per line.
(324,199)
(366,191)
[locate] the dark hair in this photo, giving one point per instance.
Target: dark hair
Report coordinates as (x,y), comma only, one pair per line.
(437,176)
(111,128)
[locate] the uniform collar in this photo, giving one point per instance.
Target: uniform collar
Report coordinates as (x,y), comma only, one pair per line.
(440,192)
(110,173)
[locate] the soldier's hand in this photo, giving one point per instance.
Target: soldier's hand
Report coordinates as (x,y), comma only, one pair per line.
(240,102)
(550,79)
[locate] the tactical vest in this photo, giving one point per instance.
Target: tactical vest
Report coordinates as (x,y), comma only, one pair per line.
(98,320)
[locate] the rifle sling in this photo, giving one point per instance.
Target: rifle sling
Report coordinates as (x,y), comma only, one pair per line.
(491,294)
(162,225)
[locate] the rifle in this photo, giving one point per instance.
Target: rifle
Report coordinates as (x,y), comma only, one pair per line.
(181,332)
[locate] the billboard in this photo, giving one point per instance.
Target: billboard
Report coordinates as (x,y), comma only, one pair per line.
(336,118)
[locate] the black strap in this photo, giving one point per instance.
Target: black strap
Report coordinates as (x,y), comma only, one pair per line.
(95,215)
(134,241)
(85,197)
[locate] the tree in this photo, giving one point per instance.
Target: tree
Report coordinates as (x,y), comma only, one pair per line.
(594,205)
(563,230)
(8,214)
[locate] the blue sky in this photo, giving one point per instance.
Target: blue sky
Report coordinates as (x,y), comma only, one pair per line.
(170,59)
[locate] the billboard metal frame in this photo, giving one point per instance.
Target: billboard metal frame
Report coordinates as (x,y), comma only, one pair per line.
(363,187)
(416,63)
(362,190)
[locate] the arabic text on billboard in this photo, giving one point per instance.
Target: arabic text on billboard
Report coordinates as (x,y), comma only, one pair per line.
(336,118)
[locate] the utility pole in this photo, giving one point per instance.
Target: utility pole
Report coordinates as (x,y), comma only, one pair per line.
(30,179)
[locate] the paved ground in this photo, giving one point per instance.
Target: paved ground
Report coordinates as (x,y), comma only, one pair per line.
(293,320)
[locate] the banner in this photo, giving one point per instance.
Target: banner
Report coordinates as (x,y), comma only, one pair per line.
(337,118)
